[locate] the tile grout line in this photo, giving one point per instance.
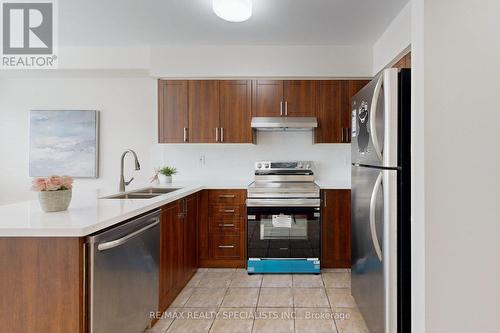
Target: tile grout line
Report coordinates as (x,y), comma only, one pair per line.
(331,307)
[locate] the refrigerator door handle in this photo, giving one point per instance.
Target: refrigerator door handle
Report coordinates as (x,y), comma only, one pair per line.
(373,231)
(373,113)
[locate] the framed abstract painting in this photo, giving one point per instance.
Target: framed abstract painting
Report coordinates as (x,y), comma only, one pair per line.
(64,143)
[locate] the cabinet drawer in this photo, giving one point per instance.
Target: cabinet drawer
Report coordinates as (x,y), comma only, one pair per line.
(227,211)
(226,196)
(226,246)
(223,226)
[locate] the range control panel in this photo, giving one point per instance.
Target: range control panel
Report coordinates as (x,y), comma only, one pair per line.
(295,165)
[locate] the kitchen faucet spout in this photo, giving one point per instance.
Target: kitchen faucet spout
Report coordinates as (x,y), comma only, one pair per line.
(123,183)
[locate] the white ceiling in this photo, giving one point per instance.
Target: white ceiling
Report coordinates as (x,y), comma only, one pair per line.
(276,22)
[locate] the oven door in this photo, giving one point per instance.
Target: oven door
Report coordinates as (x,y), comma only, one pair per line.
(283,232)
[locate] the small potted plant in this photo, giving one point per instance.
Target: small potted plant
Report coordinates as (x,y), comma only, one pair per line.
(54,192)
(165,174)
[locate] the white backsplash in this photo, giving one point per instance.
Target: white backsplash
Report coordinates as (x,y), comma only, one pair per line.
(234,162)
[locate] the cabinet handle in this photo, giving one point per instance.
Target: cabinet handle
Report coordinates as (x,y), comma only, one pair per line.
(226,196)
(216,134)
(226,225)
(342,139)
(222,134)
(226,246)
(286,108)
(281,108)
(326,195)
(185,134)
(228,210)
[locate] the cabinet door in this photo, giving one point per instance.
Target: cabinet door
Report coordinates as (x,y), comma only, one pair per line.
(267,98)
(172,111)
(170,249)
(336,229)
(235,111)
(190,231)
(204,111)
(353,86)
(301,98)
(331,97)
(203,227)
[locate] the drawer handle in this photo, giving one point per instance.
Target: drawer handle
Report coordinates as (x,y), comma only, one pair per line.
(227,196)
(226,246)
(226,225)
(228,210)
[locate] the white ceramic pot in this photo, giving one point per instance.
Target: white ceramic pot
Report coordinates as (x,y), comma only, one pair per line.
(54,201)
(165,179)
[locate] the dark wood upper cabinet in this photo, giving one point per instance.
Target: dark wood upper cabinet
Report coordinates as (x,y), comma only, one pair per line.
(329,115)
(172,111)
(336,229)
(300,98)
(235,111)
(404,62)
(220,111)
(203,111)
(294,98)
(268,98)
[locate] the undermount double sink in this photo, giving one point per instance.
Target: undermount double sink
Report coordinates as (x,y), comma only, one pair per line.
(145,193)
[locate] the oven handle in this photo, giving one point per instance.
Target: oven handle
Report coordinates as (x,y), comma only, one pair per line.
(283,202)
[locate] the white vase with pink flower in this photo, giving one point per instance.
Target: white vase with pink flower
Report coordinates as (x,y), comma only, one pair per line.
(54,192)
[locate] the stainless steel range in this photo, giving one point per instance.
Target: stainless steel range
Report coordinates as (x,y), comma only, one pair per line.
(283,213)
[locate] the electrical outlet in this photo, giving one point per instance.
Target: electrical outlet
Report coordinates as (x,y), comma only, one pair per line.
(202,160)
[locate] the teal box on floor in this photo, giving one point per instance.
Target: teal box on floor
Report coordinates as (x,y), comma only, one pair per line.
(262,266)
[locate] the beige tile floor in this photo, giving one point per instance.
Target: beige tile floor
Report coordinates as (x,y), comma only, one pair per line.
(230,300)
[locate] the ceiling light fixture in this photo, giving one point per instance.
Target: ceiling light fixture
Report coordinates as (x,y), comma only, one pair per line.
(233,10)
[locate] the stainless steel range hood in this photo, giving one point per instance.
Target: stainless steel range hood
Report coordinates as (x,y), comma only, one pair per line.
(284,123)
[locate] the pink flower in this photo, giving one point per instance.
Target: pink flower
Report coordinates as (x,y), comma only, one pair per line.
(38,184)
(53,183)
(67,182)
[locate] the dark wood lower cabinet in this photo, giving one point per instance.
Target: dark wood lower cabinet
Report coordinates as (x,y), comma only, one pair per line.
(336,229)
(222,228)
(178,247)
(42,285)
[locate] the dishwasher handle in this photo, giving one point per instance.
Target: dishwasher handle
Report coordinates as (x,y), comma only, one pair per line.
(120,241)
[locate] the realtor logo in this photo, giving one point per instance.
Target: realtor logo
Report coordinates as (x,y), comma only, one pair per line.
(28,34)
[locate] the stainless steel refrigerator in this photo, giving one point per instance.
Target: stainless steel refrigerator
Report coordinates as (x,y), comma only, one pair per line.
(380,201)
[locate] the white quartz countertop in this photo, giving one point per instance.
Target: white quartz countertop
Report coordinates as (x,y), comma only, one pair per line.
(89,212)
(333,184)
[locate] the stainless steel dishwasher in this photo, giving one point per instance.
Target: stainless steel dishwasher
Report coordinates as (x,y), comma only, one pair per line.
(123,275)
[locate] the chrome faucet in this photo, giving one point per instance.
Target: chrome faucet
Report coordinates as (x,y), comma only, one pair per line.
(123,183)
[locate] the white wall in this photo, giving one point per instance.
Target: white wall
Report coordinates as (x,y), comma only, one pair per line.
(418,172)
(234,163)
(395,39)
(461,80)
(128,120)
(271,61)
